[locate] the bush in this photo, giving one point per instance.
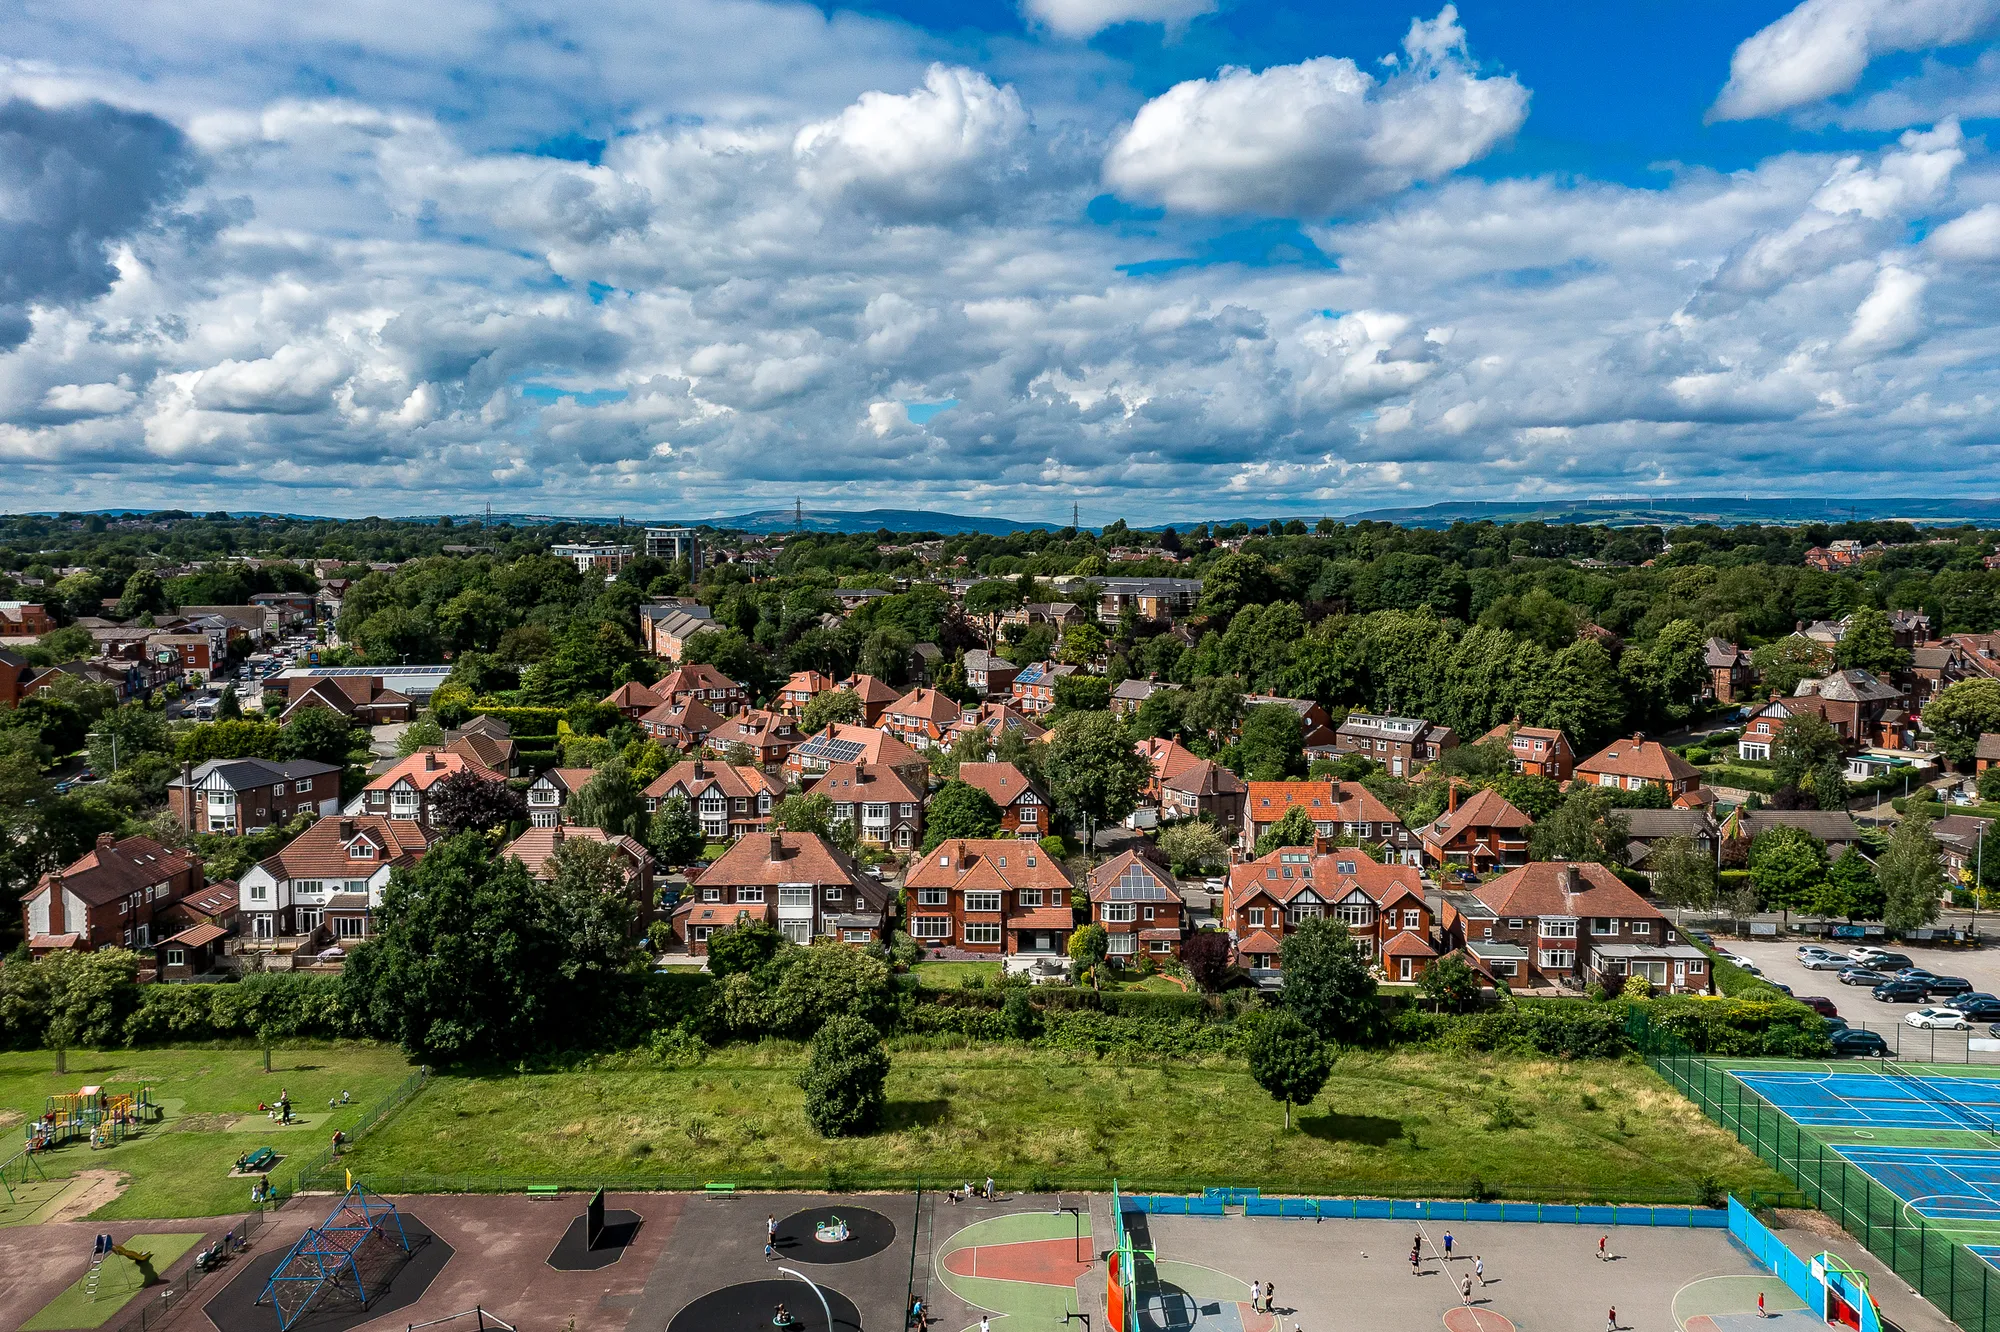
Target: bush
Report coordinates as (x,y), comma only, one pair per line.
(1019,1017)
(843,1081)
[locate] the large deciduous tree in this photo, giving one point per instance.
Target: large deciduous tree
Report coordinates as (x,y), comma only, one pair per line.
(1912,873)
(959,810)
(1289,1060)
(1092,771)
(467,802)
(1961,713)
(844,1078)
(1326,983)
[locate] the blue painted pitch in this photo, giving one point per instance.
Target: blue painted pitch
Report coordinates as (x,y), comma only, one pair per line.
(1869,1100)
(1939,1183)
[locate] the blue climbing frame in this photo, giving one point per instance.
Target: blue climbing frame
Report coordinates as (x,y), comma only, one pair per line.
(326,1254)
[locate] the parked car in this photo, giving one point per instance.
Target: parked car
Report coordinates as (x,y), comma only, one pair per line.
(1780,986)
(1855,1042)
(1865,955)
(1946,1019)
(1947,985)
(1972,999)
(1909,973)
(1899,992)
(1864,976)
(1834,1024)
(1702,936)
(1892,961)
(1825,962)
(1819,1003)
(1743,963)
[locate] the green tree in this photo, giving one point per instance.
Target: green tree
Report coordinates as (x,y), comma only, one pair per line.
(1449,984)
(1193,846)
(1961,713)
(1082,645)
(1787,864)
(1586,826)
(1289,1060)
(1911,872)
(675,833)
(1294,829)
(144,594)
(1854,877)
(229,707)
(1326,983)
(610,801)
(1869,644)
(742,948)
(988,601)
(423,733)
(1684,875)
(1273,744)
(844,1079)
(1234,581)
(959,810)
(1802,744)
(1091,769)
(320,734)
(834,705)
(88,996)
(1081,693)
(398,634)
(1781,665)
(594,914)
(803,814)
(1088,948)
(126,732)
(466,802)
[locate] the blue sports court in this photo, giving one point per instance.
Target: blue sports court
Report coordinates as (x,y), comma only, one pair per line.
(1829,1099)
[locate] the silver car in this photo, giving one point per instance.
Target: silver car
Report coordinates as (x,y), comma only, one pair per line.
(1824,962)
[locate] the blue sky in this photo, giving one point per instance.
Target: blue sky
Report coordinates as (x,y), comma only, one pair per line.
(1155,256)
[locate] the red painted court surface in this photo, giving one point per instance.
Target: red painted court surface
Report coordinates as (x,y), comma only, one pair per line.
(1052,1262)
(1468,1319)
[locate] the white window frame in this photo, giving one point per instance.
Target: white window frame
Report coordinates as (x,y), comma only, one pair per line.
(750,894)
(1120,913)
(983,902)
(930,927)
(982,932)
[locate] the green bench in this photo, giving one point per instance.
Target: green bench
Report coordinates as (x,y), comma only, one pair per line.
(260,1160)
(543,1190)
(719,1190)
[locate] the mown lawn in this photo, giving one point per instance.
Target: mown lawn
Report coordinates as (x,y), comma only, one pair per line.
(953,975)
(180,1165)
(1396,1123)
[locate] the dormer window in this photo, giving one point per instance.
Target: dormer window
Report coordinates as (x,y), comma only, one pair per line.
(361,851)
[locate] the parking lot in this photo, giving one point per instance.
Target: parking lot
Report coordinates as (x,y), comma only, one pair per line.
(1778,960)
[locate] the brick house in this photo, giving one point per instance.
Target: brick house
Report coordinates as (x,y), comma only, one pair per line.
(994,720)
(1987,753)
(1730,674)
(1484,833)
(1337,809)
(922,718)
(769,736)
(1638,763)
(990,896)
(549,794)
(799,882)
(1320,740)
(15,673)
(250,795)
(886,810)
(846,743)
(665,630)
(1024,807)
(1564,925)
(801,689)
(1267,898)
(1129,695)
(1536,751)
(989,675)
(536,848)
(487,742)
(25,619)
(1183,785)
(685,684)
(404,791)
(362,699)
(1034,688)
(1135,900)
(683,725)
(196,655)
(632,699)
(729,802)
(876,696)
(1403,745)
(1855,701)
(110,897)
(331,876)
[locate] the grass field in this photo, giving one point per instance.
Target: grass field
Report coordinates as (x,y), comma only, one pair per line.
(953,975)
(117,1285)
(1399,1123)
(180,1166)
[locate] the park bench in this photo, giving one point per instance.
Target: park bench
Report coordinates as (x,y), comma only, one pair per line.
(543,1190)
(719,1190)
(261,1159)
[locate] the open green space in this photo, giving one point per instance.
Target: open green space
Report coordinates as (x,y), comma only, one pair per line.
(179,1166)
(953,975)
(1405,1123)
(117,1284)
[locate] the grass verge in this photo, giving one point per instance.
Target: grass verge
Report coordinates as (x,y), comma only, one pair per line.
(1398,1123)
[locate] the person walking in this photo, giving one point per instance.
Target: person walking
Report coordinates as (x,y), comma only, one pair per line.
(1413,1262)
(1479,1270)
(1447,1246)
(1465,1290)
(985,1323)
(1269,1290)
(989,1188)
(1611,1320)
(1602,1240)
(771,1236)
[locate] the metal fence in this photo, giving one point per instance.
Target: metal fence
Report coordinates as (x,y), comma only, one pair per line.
(156,1304)
(323,1170)
(1942,1269)
(1931,1045)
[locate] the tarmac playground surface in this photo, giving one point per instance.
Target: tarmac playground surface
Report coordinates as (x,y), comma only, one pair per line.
(698,1264)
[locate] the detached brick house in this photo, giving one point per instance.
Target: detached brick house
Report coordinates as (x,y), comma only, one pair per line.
(1024,808)
(1135,900)
(679,687)
(1563,924)
(1484,833)
(1337,809)
(1267,898)
(404,791)
(846,743)
(15,673)
(922,718)
(1034,689)
(1855,702)
(799,882)
(1183,785)
(990,896)
(1403,745)
(1536,751)
(988,675)
(360,698)
(250,795)
(876,696)
(536,848)
(886,810)
(729,802)
(769,736)
(1730,674)
(114,896)
(801,689)
(994,720)
(684,725)
(1638,763)
(549,793)
(330,875)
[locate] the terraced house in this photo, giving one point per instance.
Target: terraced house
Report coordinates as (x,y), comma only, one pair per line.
(989,897)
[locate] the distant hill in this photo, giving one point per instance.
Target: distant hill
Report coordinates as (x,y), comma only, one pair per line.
(869,520)
(1727,512)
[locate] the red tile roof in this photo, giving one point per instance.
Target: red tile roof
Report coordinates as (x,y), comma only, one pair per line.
(869,689)
(1326,802)
(977,861)
(1562,888)
(925,704)
(805,858)
(690,777)
(427,767)
(684,679)
(1289,870)
(631,695)
(1408,943)
(694,717)
(1002,781)
(118,869)
(536,847)
(321,851)
(1148,882)
(851,783)
(1485,809)
(1638,757)
(194,936)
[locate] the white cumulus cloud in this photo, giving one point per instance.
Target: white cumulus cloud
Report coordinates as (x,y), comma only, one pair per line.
(1087,18)
(1891,315)
(934,152)
(1820,49)
(1974,235)
(1314,138)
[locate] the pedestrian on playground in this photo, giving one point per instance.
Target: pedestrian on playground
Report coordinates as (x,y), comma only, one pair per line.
(989,1188)
(1465,1290)
(1268,1289)
(985,1323)
(1760,1304)
(1602,1240)
(1479,1270)
(1447,1246)
(1611,1320)
(1413,1262)
(771,1236)
(1417,1241)
(1256,1289)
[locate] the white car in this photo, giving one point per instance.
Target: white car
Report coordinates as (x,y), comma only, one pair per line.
(1939,1018)
(1741,963)
(1862,956)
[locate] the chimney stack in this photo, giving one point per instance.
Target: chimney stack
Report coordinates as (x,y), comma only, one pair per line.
(430,761)
(1451,799)
(105,839)
(777,846)
(1566,877)
(187,793)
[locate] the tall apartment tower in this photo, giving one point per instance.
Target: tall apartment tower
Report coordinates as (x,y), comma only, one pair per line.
(675,543)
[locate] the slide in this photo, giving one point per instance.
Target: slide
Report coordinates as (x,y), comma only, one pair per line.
(140,1258)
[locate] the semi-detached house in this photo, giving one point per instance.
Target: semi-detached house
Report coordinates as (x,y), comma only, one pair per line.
(330,875)
(799,882)
(111,896)
(1561,924)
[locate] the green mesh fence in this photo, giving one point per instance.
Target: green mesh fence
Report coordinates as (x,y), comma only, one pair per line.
(1927,1257)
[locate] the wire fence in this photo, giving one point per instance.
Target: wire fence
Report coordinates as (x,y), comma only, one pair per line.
(1929,1259)
(323,1170)
(156,1304)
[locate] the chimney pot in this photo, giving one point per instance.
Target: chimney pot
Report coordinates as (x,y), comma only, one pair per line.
(105,839)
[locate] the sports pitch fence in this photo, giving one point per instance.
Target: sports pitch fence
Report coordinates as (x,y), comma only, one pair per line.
(1927,1256)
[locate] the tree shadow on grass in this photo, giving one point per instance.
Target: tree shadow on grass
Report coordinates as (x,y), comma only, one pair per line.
(1368,1130)
(915,1114)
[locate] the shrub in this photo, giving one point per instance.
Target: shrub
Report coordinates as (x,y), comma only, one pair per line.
(843,1081)
(1019,1016)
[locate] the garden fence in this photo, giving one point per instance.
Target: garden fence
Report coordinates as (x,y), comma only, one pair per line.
(1959,1282)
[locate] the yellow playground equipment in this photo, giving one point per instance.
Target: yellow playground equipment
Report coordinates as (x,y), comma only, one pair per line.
(103,1117)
